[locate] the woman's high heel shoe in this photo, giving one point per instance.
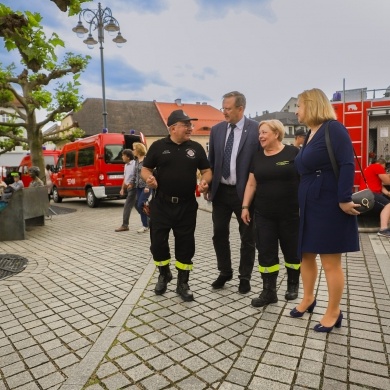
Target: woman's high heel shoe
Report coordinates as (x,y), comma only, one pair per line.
(327,329)
(296,314)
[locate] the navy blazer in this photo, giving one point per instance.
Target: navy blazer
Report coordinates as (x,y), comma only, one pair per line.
(249,144)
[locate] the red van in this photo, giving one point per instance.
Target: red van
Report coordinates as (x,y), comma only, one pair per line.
(49,156)
(92,167)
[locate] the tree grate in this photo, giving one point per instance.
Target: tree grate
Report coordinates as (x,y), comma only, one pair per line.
(11,265)
(56,210)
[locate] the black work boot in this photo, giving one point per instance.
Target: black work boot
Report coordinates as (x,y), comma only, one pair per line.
(268,295)
(292,284)
(183,289)
(164,278)
(221,280)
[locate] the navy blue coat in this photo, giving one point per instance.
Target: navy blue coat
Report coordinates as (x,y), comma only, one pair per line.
(324,227)
(249,144)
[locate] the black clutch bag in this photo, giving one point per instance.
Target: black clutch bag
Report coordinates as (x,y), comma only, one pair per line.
(366,200)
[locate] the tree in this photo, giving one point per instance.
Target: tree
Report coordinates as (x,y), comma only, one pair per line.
(74,6)
(29,88)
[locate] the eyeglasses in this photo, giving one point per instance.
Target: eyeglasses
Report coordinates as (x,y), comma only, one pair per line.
(228,109)
(188,125)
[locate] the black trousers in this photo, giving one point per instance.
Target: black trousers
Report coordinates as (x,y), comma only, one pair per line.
(225,203)
(280,229)
(181,219)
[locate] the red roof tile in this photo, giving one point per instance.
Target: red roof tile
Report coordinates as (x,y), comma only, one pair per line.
(208,116)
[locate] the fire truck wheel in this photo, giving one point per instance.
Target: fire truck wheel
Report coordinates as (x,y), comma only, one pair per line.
(56,197)
(92,201)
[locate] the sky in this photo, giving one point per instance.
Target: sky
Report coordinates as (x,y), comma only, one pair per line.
(197,50)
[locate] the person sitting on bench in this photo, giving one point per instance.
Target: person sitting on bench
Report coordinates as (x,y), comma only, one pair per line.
(17,184)
(377,177)
(34,173)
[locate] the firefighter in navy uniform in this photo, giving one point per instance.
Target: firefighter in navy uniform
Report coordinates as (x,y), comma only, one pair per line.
(176,160)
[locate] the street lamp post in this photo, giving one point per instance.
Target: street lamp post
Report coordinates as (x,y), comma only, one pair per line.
(100,20)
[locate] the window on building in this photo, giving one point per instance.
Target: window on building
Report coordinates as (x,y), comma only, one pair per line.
(290,130)
(5,118)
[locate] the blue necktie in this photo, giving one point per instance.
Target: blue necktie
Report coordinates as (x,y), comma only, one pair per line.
(227,154)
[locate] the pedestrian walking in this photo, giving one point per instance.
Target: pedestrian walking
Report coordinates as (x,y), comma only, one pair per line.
(139,151)
(49,181)
(127,188)
(232,144)
(175,160)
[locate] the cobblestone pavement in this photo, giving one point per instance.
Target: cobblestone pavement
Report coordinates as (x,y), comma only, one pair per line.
(83,315)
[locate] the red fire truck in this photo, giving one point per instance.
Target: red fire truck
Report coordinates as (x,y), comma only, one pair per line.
(92,167)
(50,157)
(366,115)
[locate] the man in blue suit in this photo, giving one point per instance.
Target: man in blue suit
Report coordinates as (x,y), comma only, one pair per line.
(230,158)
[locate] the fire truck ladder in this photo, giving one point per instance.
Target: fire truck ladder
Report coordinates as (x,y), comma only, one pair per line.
(353,118)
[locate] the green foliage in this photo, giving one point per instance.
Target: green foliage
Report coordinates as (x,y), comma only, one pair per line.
(75,6)
(16,131)
(6,73)
(6,143)
(44,83)
(78,133)
(72,6)
(24,33)
(76,61)
(42,98)
(67,98)
(5,97)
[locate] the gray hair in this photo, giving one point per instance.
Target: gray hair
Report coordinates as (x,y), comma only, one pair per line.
(239,97)
(35,170)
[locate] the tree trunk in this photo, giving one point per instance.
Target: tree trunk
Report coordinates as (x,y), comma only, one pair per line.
(35,140)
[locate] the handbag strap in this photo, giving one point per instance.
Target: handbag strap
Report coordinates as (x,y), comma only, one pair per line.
(333,159)
(360,167)
(330,152)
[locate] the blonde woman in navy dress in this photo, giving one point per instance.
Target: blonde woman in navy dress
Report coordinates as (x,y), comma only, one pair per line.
(328,224)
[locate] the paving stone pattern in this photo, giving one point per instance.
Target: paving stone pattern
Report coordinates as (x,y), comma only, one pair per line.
(83,315)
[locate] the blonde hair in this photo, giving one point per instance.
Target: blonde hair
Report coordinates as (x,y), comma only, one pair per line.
(276,126)
(139,148)
(318,108)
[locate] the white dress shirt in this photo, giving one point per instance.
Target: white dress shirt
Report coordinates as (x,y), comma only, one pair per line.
(232,179)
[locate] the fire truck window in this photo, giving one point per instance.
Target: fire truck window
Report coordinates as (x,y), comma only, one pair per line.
(49,160)
(113,154)
(86,157)
(60,163)
(70,159)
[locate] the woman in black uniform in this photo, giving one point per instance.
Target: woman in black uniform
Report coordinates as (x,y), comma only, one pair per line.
(273,186)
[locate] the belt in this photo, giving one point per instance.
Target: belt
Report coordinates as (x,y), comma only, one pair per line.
(227,185)
(171,199)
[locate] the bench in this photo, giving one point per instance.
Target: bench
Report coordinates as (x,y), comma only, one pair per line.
(369,222)
(26,207)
